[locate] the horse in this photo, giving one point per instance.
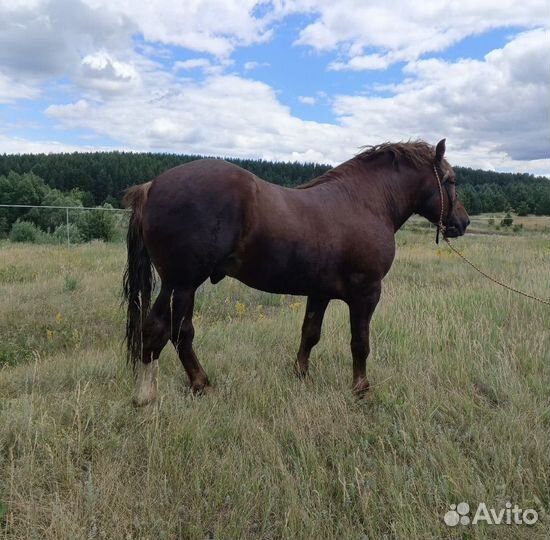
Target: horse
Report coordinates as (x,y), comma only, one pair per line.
(330,238)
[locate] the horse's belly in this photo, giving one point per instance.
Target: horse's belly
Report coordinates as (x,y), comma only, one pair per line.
(275,284)
(300,274)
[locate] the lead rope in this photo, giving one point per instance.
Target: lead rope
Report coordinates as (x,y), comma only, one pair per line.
(541,300)
(441,228)
(440,225)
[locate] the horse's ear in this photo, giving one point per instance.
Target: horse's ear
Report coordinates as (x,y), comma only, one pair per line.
(440,151)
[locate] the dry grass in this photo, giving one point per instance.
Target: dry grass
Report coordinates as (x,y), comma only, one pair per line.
(458,410)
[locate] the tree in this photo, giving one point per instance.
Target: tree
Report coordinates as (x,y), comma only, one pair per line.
(17,188)
(103,176)
(522,209)
(469,198)
(48,219)
(4,227)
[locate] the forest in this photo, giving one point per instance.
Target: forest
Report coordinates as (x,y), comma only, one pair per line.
(99,178)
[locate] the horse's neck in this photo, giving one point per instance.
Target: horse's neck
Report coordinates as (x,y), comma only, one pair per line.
(403,195)
(396,192)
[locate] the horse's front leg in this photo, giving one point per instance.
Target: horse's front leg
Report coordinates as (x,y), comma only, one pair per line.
(362,304)
(311,332)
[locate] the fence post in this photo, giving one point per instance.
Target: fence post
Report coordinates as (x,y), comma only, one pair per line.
(68,234)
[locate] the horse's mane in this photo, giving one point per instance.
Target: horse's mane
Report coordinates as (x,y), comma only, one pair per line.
(417,153)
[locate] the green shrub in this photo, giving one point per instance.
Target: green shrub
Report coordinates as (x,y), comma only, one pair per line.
(71,283)
(507,220)
(24,231)
(75,235)
(12,354)
(98,224)
(4,227)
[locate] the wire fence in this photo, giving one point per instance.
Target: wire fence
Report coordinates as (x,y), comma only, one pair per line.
(485,223)
(68,210)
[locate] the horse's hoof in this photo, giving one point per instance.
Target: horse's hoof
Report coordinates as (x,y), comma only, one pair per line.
(201,389)
(146,383)
(300,371)
(142,401)
(360,388)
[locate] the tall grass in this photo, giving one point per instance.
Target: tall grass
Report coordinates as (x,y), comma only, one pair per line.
(458,409)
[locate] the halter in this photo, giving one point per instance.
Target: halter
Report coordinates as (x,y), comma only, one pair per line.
(442,227)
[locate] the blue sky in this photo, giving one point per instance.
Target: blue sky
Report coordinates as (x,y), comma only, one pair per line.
(306,80)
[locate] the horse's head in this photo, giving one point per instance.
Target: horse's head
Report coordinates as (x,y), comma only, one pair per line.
(440,205)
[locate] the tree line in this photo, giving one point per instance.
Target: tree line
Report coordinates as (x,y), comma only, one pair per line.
(100,177)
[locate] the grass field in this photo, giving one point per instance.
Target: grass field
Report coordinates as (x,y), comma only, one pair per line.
(458,407)
(491,224)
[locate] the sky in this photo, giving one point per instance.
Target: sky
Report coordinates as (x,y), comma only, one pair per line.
(298,80)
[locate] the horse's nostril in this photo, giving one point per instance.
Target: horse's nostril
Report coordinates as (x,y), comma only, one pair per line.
(468,222)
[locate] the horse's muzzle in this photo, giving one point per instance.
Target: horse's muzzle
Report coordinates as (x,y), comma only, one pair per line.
(452,232)
(456,227)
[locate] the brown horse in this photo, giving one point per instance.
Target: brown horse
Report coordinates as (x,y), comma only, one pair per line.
(332,238)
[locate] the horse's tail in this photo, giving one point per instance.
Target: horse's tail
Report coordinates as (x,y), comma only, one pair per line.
(138,277)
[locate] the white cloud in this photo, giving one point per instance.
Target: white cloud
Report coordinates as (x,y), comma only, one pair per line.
(203,64)
(20,145)
(73,111)
(99,71)
(212,26)
(493,112)
(224,115)
(12,89)
(192,63)
(249,66)
(372,35)
(307,100)
(50,38)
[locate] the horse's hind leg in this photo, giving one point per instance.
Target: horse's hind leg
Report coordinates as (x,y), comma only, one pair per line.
(311,332)
(156,331)
(182,334)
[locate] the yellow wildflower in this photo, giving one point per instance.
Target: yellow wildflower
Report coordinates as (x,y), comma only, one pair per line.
(240,308)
